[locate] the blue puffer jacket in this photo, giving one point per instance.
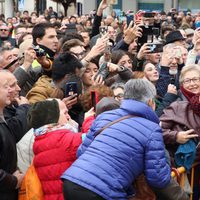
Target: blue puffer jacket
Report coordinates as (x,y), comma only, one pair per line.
(120,153)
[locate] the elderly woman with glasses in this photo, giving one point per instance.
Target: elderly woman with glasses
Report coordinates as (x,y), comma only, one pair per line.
(181,120)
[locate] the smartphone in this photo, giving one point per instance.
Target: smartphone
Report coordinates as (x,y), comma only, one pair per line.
(71,89)
(107,49)
(147,36)
(71,28)
(129,18)
(122,17)
(103,30)
(94,99)
(172,80)
(148,14)
(103,71)
(155,31)
(156,48)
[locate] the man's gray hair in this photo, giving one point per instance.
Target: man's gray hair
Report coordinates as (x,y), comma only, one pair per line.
(140,90)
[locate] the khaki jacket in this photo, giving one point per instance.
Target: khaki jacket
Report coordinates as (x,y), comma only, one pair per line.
(42,90)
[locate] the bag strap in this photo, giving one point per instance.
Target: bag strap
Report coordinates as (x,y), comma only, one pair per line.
(113,122)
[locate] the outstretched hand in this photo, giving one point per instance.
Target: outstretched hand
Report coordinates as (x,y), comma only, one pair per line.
(183,136)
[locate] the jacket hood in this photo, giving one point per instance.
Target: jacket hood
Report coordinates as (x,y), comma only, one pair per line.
(140,109)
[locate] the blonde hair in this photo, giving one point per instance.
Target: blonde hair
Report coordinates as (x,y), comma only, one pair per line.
(188,68)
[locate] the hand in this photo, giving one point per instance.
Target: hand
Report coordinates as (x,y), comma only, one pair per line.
(98,48)
(45,62)
(70,101)
(112,67)
(21,100)
(98,81)
(138,22)
(196,36)
(167,55)
(196,41)
(89,113)
(20,177)
(172,89)
(183,136)
(131,33)
(102,6)
(196,48)
(29,56)
(178,54)
(144,50)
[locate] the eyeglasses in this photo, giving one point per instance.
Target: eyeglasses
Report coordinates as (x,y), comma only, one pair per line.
(80,55)
(188,80)
(119,96)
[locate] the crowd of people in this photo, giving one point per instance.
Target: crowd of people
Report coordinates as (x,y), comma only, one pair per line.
(95,102)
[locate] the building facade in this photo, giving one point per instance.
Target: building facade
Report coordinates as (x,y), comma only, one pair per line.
(9,7)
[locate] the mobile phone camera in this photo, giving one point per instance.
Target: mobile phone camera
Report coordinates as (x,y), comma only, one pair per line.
(39,52)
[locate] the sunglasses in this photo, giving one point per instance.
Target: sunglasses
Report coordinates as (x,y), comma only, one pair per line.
(3,29)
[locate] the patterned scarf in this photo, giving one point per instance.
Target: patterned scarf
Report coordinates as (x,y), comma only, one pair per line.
(53,127)
(194,100)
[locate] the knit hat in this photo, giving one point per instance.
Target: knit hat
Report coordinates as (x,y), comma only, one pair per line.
(174,36)
(65,63)
(42,113)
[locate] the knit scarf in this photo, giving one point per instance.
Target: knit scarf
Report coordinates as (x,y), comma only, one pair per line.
(194,100)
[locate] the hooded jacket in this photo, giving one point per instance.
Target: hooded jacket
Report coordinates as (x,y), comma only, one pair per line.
(109,163)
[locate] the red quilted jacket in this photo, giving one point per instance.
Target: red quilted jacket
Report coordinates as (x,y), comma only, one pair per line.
(54,152)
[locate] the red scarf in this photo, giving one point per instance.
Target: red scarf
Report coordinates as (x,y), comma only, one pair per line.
(194,100)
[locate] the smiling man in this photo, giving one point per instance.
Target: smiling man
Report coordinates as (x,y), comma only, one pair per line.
(11,132)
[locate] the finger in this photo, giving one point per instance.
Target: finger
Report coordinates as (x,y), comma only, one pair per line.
(189,131)
(191,136)
(100,80)
(105,36)
(139,29)
(131,24)
(91,109)
(73,100)
(125,27)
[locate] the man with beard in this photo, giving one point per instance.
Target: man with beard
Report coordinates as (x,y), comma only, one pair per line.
(171,66)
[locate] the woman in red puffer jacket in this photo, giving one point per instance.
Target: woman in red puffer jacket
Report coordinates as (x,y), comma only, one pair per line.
(55,146)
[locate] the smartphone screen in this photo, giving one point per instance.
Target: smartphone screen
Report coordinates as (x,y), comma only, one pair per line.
(94,99)
(129,18)
(156,48)
(71,89)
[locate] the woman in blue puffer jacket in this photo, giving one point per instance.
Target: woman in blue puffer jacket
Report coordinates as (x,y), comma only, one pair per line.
(109,163)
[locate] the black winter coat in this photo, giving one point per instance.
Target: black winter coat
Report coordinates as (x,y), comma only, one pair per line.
(11,131)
